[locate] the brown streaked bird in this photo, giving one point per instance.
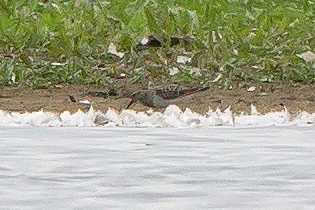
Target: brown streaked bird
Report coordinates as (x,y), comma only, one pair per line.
(148,98)
(158,97)
(175,91)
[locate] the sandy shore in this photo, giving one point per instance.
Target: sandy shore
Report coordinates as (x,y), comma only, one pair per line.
(266,97)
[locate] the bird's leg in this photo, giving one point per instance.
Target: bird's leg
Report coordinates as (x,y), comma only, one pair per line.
(130,103)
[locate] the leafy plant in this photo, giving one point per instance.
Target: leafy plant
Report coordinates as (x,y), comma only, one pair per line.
(230,36)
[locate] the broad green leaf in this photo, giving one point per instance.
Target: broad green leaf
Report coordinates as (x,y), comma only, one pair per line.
(153,25)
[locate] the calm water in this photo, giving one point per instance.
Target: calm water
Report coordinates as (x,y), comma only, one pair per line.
(145,168)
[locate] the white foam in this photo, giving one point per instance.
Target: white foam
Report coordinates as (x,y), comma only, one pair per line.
(171,117)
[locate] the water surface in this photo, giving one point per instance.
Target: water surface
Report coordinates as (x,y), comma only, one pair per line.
(157,168)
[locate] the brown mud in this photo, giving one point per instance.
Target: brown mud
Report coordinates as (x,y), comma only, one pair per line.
(266,97)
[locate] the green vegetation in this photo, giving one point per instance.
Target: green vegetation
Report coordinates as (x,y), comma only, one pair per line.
(61,41)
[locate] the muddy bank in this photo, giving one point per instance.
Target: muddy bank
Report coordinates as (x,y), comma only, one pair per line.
(266,97)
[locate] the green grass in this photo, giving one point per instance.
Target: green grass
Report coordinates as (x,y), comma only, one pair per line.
(230,37)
